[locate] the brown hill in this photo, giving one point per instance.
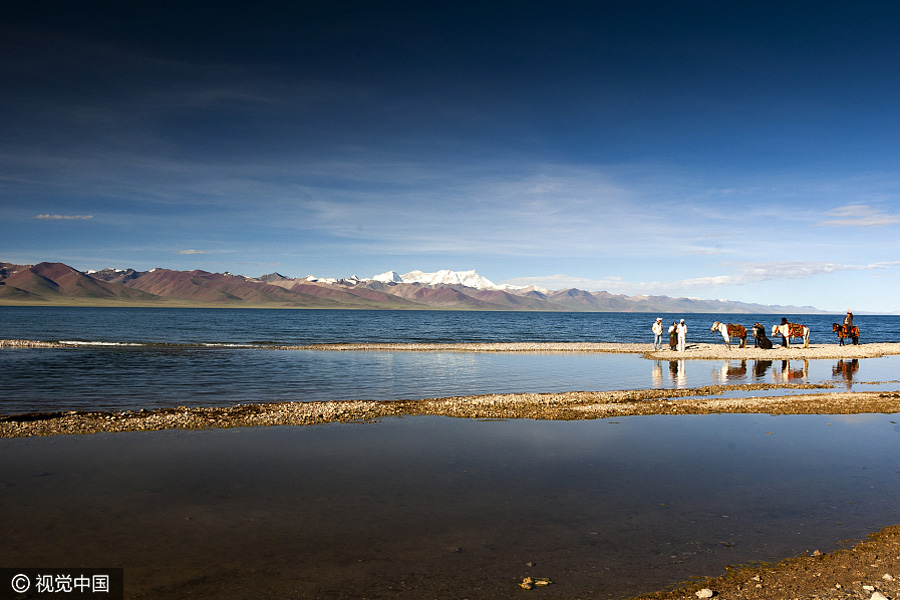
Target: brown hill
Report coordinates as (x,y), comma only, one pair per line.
(49,282)
(58,283)
(506,301)
(218,288)
(439,296)
(357,295)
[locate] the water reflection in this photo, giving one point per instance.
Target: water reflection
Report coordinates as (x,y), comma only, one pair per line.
(158,378)
(762,371)
(677,374)
(845,369)
(681,373)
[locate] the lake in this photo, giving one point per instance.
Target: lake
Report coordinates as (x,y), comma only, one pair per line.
(155,358)
(421,507)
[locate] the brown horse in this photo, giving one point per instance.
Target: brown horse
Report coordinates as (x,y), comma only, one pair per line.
(846,332)
(792,330)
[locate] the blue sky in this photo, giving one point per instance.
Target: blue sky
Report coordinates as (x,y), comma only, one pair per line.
(745,151)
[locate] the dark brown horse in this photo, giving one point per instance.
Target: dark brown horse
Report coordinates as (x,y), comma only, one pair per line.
(759,336)
(846,332)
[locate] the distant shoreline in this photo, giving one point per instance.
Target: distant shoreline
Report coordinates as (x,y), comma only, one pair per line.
(693,351)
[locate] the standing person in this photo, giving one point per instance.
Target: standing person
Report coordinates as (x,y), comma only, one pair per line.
(657,330)
(673,335)
(682,335)
(787,325)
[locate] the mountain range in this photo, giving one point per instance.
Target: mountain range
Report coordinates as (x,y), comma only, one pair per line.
(60,284)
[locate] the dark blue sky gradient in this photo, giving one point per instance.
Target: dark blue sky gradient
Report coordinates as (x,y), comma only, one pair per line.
(338,137)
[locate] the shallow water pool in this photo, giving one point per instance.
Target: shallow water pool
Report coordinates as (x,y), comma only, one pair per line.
(437,507)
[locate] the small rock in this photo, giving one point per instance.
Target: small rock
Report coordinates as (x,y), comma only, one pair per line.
(878,596)
(887,577)
(817,553)
(705,593)
(869,588)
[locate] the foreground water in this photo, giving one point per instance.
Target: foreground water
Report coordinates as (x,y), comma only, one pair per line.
(436,507)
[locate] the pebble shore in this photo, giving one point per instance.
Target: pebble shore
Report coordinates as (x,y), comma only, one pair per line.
(554,406)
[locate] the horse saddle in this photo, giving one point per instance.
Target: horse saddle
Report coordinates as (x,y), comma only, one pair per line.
(795,330)
(737,330)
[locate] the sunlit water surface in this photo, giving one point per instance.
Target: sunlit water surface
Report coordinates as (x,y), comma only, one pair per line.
(120,378)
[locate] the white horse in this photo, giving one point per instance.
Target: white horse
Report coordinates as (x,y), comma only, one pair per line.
(792,330)
(729,330)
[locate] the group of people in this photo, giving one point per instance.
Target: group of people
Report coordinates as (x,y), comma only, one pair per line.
(677,335)
(678,332)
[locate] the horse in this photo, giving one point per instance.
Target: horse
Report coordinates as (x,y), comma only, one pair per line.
(759,336)
(792,330)
(846,332)
(729,330)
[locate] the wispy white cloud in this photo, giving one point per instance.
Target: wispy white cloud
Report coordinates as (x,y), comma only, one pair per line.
(561,281)
(858,215)
(64,217)
(747,273)
(193,252)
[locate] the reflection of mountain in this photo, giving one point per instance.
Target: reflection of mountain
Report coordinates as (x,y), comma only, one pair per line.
(56,283)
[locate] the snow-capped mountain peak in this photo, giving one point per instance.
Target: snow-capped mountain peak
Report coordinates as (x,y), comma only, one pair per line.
(389,277)
(444,277)
(467,278)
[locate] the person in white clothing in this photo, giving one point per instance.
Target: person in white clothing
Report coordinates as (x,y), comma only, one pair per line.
(682,335)
(657,334)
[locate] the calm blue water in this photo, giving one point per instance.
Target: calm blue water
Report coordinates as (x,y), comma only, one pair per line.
(168,366)
(248,326)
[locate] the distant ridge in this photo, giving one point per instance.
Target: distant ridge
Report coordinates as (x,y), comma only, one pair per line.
(59,284)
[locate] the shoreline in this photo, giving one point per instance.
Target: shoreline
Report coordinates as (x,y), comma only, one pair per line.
(693,351)
(798,399)
(867,570)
